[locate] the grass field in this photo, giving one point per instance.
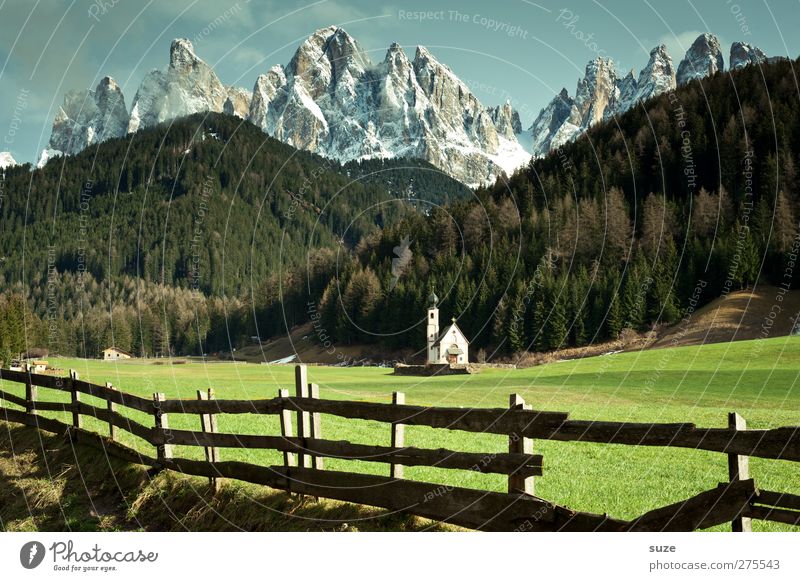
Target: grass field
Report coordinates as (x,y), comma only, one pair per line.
(758,379)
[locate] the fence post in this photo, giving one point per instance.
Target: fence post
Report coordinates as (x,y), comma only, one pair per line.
(208,424)
(77,420)
(112,408)
(316,425)
(519,445)
(163,450)
(739,469)
(286,428)
(31,393)
(398,436)
(303,418)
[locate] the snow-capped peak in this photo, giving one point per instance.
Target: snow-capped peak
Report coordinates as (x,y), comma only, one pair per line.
(743,54)
(7,160)
(87,117)
(188,85)
(333,100)
(657,77)
(704,58)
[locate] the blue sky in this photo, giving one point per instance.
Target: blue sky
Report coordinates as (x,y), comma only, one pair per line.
(517,50)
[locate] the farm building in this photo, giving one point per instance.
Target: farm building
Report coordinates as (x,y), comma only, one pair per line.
(114,354)
(449,346)
(37,366)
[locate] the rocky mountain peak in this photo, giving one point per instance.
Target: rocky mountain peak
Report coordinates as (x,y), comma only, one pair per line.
(396,58)
(596,92)
(703,58)
(599,95)
(188,85)
(627,88)
(264,93)
(657,77)
(331,99)
(181,55)
(743,54)
(549,121)
(506,120)
(326,58)
(87,117)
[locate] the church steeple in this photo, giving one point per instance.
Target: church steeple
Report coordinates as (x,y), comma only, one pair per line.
(433,328)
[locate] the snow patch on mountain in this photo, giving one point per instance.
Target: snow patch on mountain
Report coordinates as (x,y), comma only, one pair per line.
(7,160)
(47,155)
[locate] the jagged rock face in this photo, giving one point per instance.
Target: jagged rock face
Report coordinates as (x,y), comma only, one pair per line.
(7,160)
(548,123)
(331,99)
(188,86)
(600,94)
(506,120)
(703,58)
(656,78)
(597,96)
(264,93)
(596,93)
(238,102)
(627,90)
(87,117)
(743,54)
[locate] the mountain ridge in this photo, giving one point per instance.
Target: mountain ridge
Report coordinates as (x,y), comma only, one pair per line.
(330,99)
(601,94)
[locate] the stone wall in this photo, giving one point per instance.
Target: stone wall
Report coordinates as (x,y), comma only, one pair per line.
(430,370)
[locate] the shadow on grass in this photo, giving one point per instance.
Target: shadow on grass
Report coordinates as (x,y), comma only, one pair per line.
(50,484)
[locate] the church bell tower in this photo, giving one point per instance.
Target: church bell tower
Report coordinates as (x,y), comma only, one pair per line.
(433,328)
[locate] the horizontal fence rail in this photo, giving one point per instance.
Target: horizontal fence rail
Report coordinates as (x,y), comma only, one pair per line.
(737,501)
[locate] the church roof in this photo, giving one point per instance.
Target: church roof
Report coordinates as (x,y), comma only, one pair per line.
(447,331)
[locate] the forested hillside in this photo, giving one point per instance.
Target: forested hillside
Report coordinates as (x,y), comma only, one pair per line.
(154,234)
(687,197)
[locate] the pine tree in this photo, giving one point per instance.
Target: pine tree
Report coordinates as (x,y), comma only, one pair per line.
(556,335)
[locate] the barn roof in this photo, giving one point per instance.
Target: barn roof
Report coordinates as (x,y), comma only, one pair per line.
(118,350)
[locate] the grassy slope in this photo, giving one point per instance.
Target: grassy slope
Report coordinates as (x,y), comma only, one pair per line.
(699,384)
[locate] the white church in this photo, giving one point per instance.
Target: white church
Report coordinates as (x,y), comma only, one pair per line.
(451,346)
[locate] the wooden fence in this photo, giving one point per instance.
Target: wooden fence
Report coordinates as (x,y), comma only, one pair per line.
(736,501)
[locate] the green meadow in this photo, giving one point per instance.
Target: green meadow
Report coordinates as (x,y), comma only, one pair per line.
(758,379)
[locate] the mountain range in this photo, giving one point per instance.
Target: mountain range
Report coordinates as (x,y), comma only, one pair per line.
(601,93)
(331,99)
